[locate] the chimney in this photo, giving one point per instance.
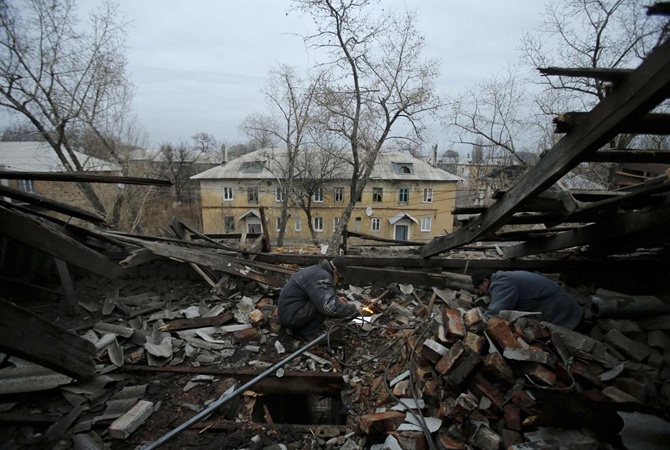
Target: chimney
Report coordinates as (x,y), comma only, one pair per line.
(435,155)
(224,154)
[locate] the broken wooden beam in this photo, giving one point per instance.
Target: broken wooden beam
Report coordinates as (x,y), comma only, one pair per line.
(32,338)
(197,322)
(47,239)
(637,94)
(82,177)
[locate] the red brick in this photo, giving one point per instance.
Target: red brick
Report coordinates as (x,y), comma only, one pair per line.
(467,363)
(449,360)
(247,335)
(474,320)
(524,401)
(381,422)
(411,440)
(481,387)
(449,443)
(476,342)
(432,392)
(543,376)
(433,351)
(632,387)
(512,417)
(500,332)
(496,366)
(453,323)
(462,408)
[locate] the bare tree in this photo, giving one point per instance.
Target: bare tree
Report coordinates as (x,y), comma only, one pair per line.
(286,121)
(376,86)
(58,76)
(494,115)
(205,143)
(177,166)
(605,34)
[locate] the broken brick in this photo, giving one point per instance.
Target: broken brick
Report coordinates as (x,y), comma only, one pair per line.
(382,422)
(449,443)
(524,401)
(617,395)
(512,417)
(122,427)
(530,355)
(467,363)
(246,335)
(501,334)
(433,351)
(542,375)
(481,387)
(636,351)
(496,366)
(411,440)
(633,388)
(453,322)
(450,358)
(476,342)
(474,320)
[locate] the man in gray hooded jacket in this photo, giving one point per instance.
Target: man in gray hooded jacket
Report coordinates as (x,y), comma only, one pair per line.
(527,291)
(308,297)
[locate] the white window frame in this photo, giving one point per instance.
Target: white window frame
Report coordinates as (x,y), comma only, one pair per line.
(279,195)
(318,223)
(318,195)
(278,223)
(426,223)
(26,185)
(376,224)
(298,223)
(338,194)
(428,195)
(228,194)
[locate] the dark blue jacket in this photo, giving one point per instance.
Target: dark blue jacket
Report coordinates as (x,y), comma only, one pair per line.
(309,292)
(526,291)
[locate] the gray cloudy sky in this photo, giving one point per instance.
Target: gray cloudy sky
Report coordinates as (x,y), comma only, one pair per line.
(199,65)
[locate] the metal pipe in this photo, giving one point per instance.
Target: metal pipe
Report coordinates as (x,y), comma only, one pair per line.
(222,401)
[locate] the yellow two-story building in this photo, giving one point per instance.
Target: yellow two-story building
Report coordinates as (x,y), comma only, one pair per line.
(405,199)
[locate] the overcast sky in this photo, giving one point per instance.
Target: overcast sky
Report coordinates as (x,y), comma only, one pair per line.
(199,65)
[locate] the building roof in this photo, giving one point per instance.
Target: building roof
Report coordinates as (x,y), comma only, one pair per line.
(154,155)
(34,156)
(267,164)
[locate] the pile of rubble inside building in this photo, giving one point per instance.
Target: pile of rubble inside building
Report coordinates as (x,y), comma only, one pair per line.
(161,357)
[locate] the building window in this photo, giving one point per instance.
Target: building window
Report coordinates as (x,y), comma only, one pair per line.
(252,195)
(336,222)
(339,194)
(228,193)
(428,195)
(403,195)
(376,223)
(318,223)
(359,197)
(253,228)
(229,224)
(298,224)
(278,223)
(403,168)
(318,195)
(27,185)
(279,195)
(377,194)
(425,223)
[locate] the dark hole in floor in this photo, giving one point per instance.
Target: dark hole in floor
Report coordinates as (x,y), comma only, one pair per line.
(299,409)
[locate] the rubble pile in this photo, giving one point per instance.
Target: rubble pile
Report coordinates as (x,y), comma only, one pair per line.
(426,370)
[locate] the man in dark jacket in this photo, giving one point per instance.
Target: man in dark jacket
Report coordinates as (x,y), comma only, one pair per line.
(308,297)
(526,291)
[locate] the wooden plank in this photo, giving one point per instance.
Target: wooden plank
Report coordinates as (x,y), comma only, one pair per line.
(641,91)
(612,75)
(368,237)
(623,225)
(631,156)
(79,177)
(52,205)
(197,322)
(48,240)
(214,261)
(32,338)
(68,286)
(362,275)
(656,123)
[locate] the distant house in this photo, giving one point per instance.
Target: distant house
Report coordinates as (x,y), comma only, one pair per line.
(40,157)
(405,198)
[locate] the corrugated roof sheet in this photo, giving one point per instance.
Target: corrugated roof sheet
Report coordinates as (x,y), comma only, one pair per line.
(274,159)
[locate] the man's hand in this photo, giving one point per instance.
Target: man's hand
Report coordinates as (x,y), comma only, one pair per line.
(342,299)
